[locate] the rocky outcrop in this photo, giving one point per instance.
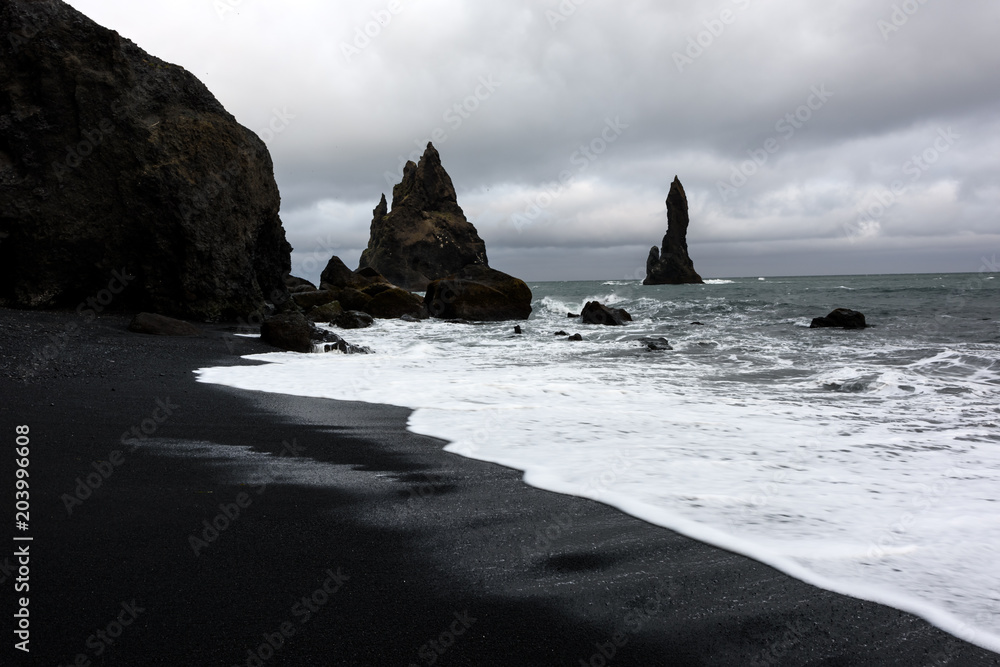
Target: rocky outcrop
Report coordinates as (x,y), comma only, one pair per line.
(367,290)
(354,319)
(597,313)
(327,313)
(659,344)
(295,284)
(394,303)
(313,298)
(337,275)
(671,265)
(479,293)
(293,332)
(425,236)
(845,318)
(113,161)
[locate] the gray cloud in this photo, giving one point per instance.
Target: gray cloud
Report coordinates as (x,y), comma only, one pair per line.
(853,178)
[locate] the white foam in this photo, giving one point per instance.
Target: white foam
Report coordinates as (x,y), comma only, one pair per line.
(864,476)
(718,281)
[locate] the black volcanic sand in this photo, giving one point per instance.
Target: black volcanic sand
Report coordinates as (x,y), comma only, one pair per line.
(435,547)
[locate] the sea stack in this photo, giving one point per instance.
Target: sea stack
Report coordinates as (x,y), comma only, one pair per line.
(426,235)
(124,181)
(671,265)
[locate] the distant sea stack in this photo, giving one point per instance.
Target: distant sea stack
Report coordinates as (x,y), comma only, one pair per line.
(426,235)
(124,181)
(671,265)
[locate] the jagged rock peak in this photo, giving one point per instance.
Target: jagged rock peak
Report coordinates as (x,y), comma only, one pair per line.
(426,235)
(671,265)
(426,186)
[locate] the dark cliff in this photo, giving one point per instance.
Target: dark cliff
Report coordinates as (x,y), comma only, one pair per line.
(112,160)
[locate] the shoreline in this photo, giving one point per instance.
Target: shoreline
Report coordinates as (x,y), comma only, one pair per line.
(408,547)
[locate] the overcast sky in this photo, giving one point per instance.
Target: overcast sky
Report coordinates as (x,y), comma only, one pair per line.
(858,136)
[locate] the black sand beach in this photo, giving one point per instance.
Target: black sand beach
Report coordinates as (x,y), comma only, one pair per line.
(386,551)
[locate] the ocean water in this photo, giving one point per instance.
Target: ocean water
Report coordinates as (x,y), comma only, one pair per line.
(865,462)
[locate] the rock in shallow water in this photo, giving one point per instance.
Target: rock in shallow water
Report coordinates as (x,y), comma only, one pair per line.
(656,344)
(671,264)
(327,313)
(292,331)
(354,319)
(393,302)
(597,313)
(313,298)
(844,318)
(479,293)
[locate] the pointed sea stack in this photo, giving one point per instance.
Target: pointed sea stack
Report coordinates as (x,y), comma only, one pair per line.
(426,235)
(671,265)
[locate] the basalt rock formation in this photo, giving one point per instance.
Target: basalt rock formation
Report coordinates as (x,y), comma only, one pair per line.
(364,290)
(426,235)
(479,293)
(671,265)
(114,162)
(595,312)
(844,318)
(292,331)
